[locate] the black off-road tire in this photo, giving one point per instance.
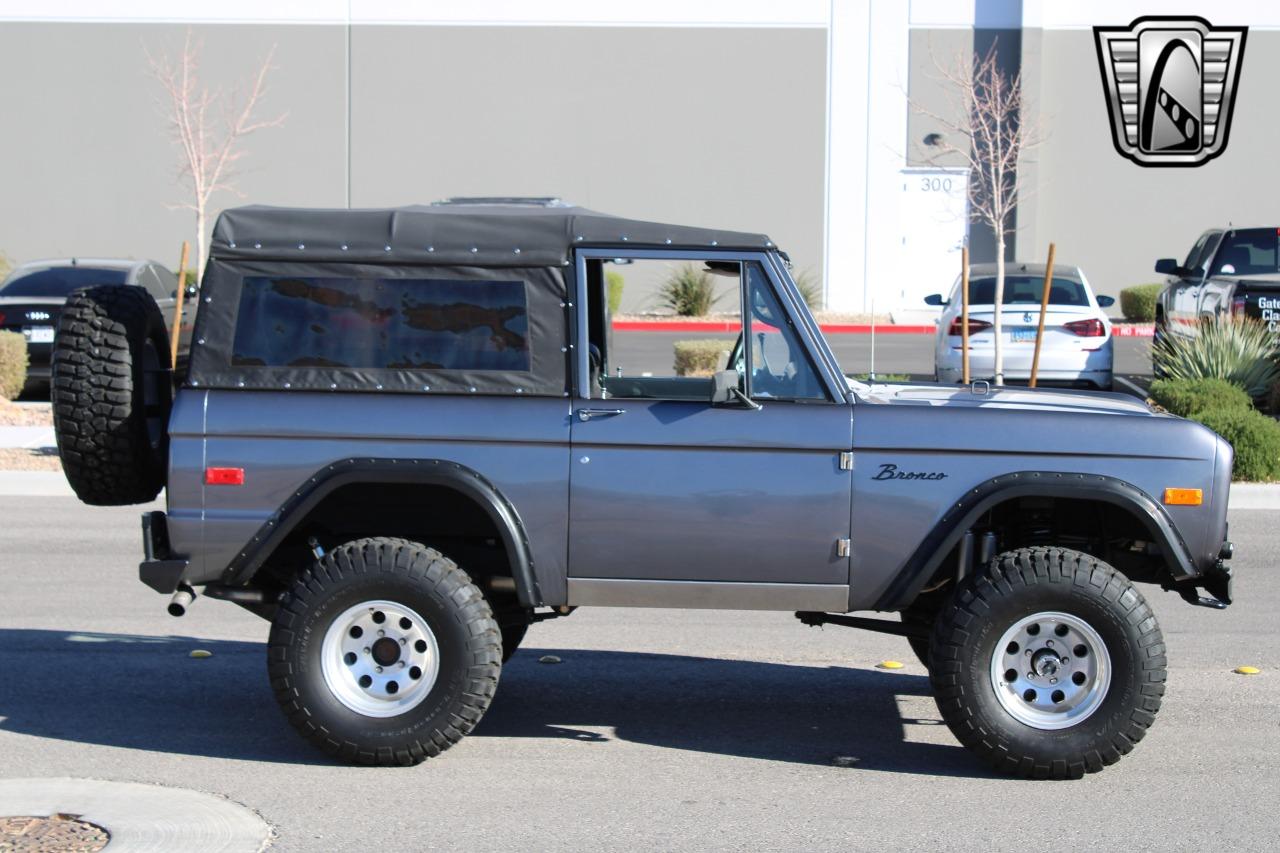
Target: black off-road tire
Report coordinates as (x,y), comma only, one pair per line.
(112,391)
(405,573)
(512,636)
(1020,584)
(922,618)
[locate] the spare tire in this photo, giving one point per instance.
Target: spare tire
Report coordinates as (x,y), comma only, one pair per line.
(112,391)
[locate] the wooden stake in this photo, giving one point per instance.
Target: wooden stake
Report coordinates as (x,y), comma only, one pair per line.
(964,314)
(1044,306)
(177,305)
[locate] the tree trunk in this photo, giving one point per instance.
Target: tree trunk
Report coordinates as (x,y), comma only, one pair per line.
(996,325)
(202,245)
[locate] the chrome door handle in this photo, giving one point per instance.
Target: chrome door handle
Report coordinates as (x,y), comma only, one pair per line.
(585,415)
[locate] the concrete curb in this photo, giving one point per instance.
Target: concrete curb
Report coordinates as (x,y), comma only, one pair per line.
(52,484)
(142,817)
(27,437)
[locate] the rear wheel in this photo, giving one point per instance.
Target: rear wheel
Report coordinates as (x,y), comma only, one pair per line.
(1049,664)
(384,652)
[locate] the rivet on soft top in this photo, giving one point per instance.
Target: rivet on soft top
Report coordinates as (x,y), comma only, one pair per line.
(344,247)
(624,238)
(473,390)
(426,387)
(240,384)
(208,299)
(377,387)
(431,248)
(302,245)
(578,239)
(257,245)
(714,243)
(231,245)
(516,250)
(668,241)
(200,341)
(519,390)
(333,387)
(768,243)
(474,250)
(386,248)
(288,385)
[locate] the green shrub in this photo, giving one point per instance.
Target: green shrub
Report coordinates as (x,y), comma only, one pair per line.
(701,358)
(1186,396)
(1138,303)
(810,289)
(1240,350)
(613,282)
(13,364)
(1255,437)
(689,291)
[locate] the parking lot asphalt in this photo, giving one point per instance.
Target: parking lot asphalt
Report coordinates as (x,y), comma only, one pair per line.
(894,353)
(660,729)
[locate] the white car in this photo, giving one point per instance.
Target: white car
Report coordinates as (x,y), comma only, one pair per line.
(1077,349)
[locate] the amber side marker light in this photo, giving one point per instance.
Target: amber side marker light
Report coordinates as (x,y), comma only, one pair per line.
(1183,497)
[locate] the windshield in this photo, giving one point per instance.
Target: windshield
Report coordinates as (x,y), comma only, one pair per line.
(1027,290)
(60,281)
(1249,251)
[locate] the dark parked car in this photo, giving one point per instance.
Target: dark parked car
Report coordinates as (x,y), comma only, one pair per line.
(1228,272)
(407,436)
(32,296)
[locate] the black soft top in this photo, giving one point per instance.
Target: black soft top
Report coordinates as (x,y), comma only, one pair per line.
(471,233)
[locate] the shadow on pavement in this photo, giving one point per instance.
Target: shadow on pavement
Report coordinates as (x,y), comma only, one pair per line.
(145,692)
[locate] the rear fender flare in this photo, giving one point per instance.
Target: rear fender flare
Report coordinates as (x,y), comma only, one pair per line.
(428,472)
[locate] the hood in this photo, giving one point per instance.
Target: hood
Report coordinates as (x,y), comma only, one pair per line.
(1008,397)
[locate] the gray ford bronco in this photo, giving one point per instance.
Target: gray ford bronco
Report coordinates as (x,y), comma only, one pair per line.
(407,435)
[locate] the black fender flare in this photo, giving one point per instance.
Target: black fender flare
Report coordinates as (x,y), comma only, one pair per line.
(429,472)
(928,556)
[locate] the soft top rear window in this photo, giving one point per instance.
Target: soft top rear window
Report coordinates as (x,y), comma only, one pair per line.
(382,323)
(1027,289)
(60,281)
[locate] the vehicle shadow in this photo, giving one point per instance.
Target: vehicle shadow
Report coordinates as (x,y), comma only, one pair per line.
(147,693)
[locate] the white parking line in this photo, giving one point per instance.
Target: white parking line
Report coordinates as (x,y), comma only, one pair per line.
(1133,386)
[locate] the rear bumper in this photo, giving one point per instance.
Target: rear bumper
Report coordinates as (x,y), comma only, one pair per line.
(159,569)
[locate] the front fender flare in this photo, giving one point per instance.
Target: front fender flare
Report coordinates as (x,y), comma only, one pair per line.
(962,515)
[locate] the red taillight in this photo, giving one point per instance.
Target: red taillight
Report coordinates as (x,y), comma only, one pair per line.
(1091,328)
(975,326)
(1237,307)
(224,476)
(1,318)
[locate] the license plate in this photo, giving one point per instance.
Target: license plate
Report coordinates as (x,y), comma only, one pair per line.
(1023,335)
(38,334)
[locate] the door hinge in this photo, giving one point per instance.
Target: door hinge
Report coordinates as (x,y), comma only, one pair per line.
(846,460)
(842,547)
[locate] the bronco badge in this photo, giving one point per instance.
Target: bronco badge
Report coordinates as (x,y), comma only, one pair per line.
(889,471)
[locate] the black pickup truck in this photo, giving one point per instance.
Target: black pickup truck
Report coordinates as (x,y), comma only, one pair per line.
(1229,272)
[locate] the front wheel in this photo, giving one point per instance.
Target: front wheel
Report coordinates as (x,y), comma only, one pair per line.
(384,652)
(1048,664)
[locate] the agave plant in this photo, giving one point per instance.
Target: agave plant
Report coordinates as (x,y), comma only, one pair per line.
(1239,349)
(689,291)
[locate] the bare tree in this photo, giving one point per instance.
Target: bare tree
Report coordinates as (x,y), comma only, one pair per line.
(209,126)
(985,129)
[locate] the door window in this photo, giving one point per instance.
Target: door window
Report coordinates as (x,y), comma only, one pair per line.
(678,365)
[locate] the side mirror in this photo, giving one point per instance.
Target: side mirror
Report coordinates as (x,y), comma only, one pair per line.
(1106,301)
(935,299)
(723,385)
(1167,266)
